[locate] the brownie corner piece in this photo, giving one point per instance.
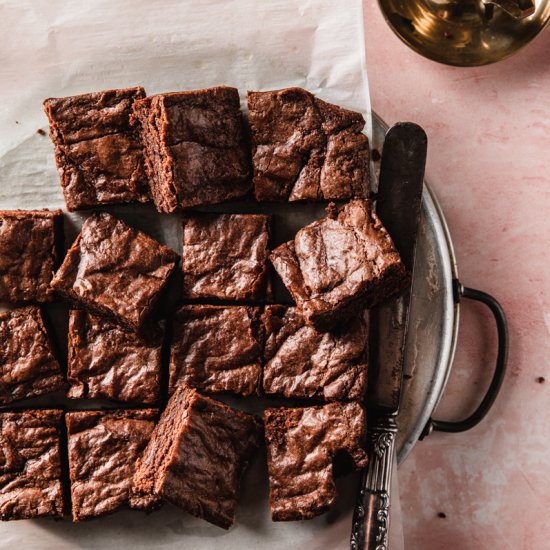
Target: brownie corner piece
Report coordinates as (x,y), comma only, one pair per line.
(103,449)
(28,367)
(305,148)
(106,360)
(225,257)
(302,362)
(30,245)
(30,466)
(97,151)
(340,265)
(302,445)
(197,456)
(194,146)
(116,271)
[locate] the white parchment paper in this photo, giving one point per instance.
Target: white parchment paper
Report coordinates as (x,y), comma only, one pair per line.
(58,48)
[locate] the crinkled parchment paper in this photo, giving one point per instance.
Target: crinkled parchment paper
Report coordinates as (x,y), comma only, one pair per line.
(58,48)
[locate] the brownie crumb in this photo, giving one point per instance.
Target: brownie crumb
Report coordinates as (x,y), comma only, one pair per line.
(375,155)
(541,380)
(40,132)
(441,515)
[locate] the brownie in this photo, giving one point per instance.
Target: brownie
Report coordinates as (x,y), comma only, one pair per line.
(194,147)
(29,250)
(103,449)
(225,257)
(302,362)
(302,446)
(98,154)
(111,362)
(30,465)
(340,265)
(305,148)
(116,271)
(216,349)
(28,366)
(197,456)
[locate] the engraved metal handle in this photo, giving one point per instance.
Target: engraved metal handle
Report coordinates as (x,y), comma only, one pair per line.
(371,516)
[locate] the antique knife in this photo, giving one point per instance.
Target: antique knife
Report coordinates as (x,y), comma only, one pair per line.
(398,206)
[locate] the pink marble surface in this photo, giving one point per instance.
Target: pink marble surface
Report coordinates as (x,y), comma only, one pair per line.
(489,163)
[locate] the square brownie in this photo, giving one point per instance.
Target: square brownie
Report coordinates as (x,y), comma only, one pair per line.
(225,257)
(302,446)
(194,146)
(115,271)
(98,154)
(216,349)
(338,266)
(103,449)
(111,362)
(30,464)
(30,243)
(28,367)
(197,456)
(301,362)
(306,149)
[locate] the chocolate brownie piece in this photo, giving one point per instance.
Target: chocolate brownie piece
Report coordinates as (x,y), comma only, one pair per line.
(305,148)
(195,151)
(108,361)
(216,349)
(116,271)
(30,464)
(340,265)
(98,154)
(302,362)
(225,257)
(197,456)
(103,449)
(29,250)
(301,447)
(28,366)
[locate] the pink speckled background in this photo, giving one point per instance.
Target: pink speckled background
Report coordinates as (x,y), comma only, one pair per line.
(489,163)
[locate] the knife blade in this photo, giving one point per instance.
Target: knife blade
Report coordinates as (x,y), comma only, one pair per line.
(398,205)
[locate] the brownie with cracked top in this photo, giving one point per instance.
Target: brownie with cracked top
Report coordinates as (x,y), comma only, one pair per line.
(216,349)
(302,362)
(305,148)
(302,445)
(111,362)
(97,152)
(116,271)
(340,265)
(30,243)
(30,464)
(28,366)
(197,456)
(225,257)
(194,147)
(103,449)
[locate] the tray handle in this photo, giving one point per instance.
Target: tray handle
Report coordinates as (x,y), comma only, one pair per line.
(500,369)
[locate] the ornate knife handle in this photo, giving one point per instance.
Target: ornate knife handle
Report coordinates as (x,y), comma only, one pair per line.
(371,516)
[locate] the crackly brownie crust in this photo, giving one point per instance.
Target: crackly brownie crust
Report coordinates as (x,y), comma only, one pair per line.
(340,265)
(30,243)
(98,154)
(111,362)
(225,257)
(305,148)
(103,449)
(28,367)
(194,146)
(116,271)
(301,362)
(197,456)
(30,464)
(301,447)
(216,349)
